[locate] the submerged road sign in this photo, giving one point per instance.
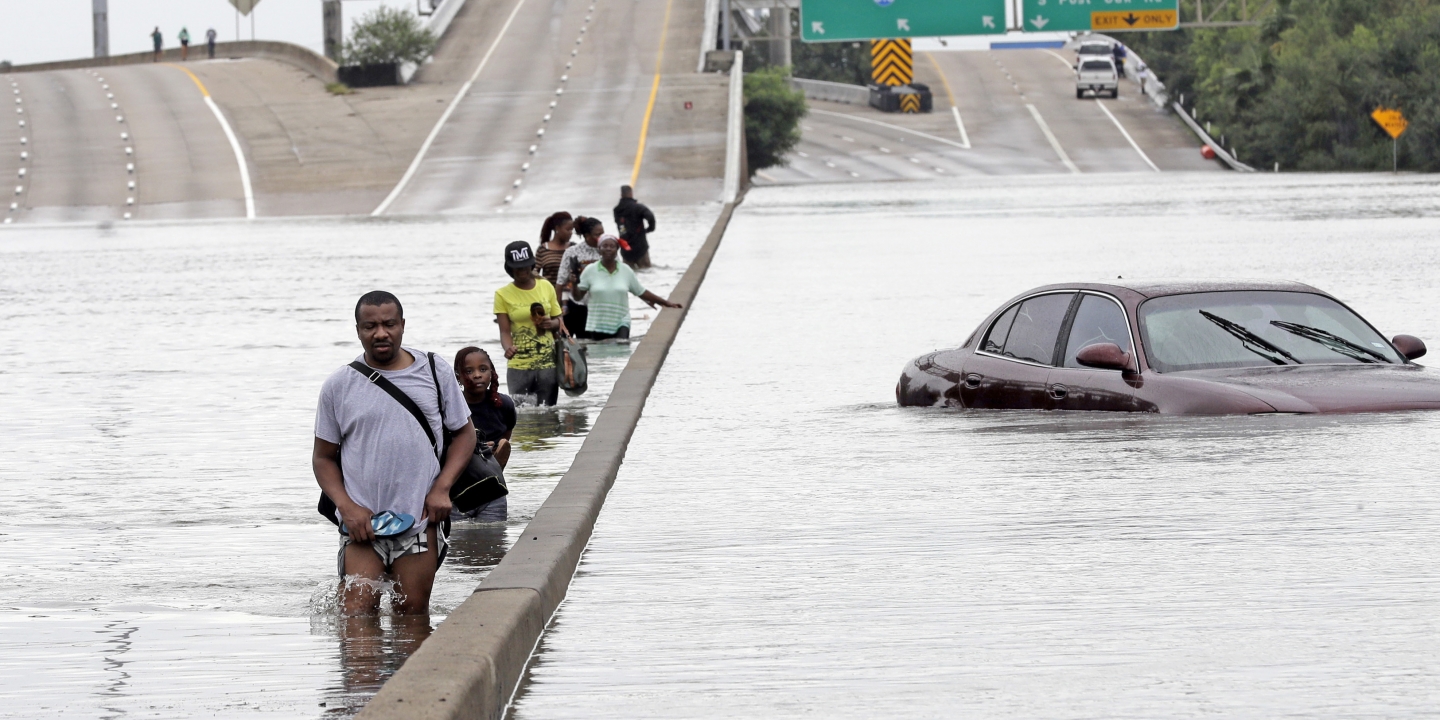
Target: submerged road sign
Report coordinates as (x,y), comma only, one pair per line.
(1100,15)
(831,20)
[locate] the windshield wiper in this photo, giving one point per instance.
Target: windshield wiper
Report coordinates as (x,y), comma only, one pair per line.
(1250,341)
(1332,341)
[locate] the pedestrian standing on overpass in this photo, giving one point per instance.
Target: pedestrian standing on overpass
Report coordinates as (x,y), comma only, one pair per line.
(159,41)
(634,222)
(184,43)
(210,36)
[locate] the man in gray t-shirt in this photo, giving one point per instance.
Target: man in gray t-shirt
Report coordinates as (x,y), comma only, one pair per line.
(388,463)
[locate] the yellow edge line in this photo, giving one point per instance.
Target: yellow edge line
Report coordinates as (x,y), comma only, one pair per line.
(186,70)
(654,90)
(943,80)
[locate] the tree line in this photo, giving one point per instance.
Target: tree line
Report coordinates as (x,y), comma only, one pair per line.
(1298,88)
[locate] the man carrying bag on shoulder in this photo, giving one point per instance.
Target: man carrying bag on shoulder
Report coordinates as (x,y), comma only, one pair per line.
(389,489)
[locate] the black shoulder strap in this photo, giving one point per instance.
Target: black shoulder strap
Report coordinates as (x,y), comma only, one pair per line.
(439,398)
(381,382)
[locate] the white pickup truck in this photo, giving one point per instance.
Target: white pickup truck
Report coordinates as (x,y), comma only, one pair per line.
(1096,74)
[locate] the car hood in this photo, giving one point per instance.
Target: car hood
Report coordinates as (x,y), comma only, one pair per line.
(1333,388)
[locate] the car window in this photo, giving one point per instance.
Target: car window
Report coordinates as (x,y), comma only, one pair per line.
(1095,49)
(1093,65)
(1200,331)
(1098,320)
(995,339)
(1037,327)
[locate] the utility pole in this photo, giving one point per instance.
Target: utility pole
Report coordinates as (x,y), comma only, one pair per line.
(102,27)
(334,29)
(725,24)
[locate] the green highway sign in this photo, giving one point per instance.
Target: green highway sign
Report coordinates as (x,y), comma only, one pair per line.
(831,20)
(1100,15)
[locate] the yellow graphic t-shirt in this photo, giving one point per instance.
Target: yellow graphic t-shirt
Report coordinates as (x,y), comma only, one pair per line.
(534,350)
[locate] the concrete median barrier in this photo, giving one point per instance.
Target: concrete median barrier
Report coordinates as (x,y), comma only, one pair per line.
(303,58)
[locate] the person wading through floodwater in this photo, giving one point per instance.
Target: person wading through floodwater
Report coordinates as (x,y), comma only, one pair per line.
(555,237)
(492,413)
(607,286)
(576,259)
(391,466)
(634,222)
(528,339)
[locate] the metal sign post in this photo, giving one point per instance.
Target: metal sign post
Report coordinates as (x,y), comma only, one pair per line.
(1394,124)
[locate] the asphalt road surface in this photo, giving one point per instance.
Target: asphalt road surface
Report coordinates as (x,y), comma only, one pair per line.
(555,116)
(1019,114)
(99,144)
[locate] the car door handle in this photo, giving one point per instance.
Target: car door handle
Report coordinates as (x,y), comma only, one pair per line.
(972,381)
(1059,391)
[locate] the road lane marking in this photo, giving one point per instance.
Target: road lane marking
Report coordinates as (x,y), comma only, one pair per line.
(857,118)
(1068,65)
(1128,139)
(234,142)
(1051,137)
(654,90)
(954,107)
(435,131)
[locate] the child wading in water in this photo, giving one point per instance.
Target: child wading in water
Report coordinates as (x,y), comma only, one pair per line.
(493,414)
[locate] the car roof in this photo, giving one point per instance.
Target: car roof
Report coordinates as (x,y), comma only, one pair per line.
(1157,288)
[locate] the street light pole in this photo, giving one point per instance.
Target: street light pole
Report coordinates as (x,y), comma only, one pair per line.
(102,27)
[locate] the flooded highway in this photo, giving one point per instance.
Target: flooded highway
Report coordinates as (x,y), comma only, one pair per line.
(158,414)
(783,541)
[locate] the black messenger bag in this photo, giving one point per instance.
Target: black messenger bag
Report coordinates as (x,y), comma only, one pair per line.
(481,481)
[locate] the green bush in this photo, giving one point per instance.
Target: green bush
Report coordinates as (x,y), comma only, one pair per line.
(386,36)
(1298,89)
(772,117)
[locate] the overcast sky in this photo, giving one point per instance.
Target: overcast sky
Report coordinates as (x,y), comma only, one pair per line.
(43,30)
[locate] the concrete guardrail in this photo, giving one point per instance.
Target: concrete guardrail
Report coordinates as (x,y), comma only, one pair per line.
(832,91)
(301,57)
(471,666)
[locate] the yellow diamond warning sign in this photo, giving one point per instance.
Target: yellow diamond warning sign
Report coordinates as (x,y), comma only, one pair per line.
(1393,121)
(1135,20)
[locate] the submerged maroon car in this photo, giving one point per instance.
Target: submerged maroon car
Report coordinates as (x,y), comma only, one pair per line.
(1208,348)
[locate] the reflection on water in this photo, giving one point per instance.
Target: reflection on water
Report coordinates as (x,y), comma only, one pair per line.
(783,541)
(157,411)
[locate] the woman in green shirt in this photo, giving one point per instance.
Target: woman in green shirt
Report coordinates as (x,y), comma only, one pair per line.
(607,286)
(528,337)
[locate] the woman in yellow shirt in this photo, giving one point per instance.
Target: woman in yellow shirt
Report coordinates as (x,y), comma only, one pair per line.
(528,339)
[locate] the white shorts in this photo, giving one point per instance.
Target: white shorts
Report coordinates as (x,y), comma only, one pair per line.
(392,549)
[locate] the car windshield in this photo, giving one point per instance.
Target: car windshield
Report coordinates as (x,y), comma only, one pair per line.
(1095,49)
(1201,331)
(1093,65)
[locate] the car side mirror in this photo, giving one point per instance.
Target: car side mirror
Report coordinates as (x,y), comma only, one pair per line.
(1105,356)
(1409,346)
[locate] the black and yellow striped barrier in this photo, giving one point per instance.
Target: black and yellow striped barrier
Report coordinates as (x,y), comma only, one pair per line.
(892,62)
(910,103)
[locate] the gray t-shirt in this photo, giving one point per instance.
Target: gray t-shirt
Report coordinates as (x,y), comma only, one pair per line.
(385,457)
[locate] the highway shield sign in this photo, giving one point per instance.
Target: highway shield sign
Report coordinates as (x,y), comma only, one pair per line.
(1100,15)
(1393,121)
(831,20)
